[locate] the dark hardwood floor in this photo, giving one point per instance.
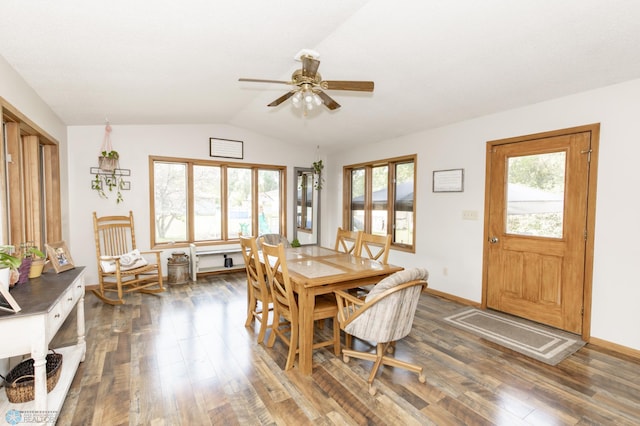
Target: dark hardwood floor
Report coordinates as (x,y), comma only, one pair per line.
(184,357)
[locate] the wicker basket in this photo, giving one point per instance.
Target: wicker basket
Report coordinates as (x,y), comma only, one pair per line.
(20,382)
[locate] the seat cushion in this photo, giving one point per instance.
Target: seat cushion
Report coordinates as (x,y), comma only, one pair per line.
(128,261)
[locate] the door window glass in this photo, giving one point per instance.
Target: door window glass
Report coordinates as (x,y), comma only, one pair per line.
(535,194)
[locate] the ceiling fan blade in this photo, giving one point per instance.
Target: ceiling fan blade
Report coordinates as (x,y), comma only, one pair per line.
(257,80)
(358,86)
(282,98)
(327,100)
(309,66)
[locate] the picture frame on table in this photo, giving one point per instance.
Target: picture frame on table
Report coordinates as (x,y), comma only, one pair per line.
(59,256)
(7,302)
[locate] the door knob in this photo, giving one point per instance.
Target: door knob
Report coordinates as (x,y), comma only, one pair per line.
(493,240)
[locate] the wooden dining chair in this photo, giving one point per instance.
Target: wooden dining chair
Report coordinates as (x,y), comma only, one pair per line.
(384,316)
(347,241)
(259,302)
(273,239)
(375,247)
(285,307)
(122,268)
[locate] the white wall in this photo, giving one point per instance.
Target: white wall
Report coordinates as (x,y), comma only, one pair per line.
(135,144)
(444,240)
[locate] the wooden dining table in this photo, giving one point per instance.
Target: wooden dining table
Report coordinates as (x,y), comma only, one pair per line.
(315,270)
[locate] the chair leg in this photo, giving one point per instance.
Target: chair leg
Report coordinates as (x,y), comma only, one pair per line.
(380,348)
(336,336)
(379,359)
(252,304)
(275,325)
(293,349)
(264,320)
(347,340)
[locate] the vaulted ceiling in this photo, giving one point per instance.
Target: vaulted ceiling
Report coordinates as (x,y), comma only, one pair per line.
(434,62)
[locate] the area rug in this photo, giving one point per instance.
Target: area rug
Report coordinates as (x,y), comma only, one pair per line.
(534,340)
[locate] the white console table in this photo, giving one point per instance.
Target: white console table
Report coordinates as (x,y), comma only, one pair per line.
(46,302)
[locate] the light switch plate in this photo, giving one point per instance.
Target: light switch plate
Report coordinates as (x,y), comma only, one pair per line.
(469,214)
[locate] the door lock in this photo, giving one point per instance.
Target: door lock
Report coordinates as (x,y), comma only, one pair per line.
(493,240)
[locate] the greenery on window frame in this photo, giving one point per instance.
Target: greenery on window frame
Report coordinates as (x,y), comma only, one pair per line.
(366,181)
(254,223)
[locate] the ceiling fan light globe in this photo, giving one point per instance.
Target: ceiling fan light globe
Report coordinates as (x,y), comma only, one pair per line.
(316,99)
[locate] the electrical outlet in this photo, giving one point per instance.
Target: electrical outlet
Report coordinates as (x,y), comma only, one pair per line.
(469,214)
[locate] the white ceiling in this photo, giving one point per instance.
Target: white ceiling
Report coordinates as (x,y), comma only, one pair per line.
(433,62)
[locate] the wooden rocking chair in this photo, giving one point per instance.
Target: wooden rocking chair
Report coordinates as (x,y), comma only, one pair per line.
(121,267)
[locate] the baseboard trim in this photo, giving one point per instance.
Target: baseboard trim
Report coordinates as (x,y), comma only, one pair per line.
(624,350)
(451,297)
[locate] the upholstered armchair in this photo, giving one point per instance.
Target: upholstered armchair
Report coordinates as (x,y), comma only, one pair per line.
(384,316)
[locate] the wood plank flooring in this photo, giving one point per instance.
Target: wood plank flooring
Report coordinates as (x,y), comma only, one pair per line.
(184,357)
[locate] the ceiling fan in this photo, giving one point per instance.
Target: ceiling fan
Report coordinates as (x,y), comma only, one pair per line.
(309,85)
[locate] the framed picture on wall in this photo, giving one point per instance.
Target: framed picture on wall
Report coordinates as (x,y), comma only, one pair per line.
(226,148)
(448,180)
(60,257)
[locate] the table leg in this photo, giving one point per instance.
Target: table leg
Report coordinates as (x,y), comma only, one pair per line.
(39,355)
(306,305)
(80,326)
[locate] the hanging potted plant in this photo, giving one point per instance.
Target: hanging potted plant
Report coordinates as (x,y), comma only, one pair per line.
(108,177)
(318,180)
(108,159)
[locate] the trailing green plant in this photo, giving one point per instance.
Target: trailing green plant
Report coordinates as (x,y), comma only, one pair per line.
(317,170)
(110,182)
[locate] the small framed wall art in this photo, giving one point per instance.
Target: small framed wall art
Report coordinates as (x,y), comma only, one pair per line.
(226,148)
(448,180)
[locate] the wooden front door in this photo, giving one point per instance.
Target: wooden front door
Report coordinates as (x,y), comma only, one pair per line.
(536,226)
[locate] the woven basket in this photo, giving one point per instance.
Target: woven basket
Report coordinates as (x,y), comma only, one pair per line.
(20,382)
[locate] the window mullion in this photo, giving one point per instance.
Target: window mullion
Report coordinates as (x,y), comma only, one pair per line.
(368,198)
(190,203)
(255,210)
(391,199)
(224,201)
